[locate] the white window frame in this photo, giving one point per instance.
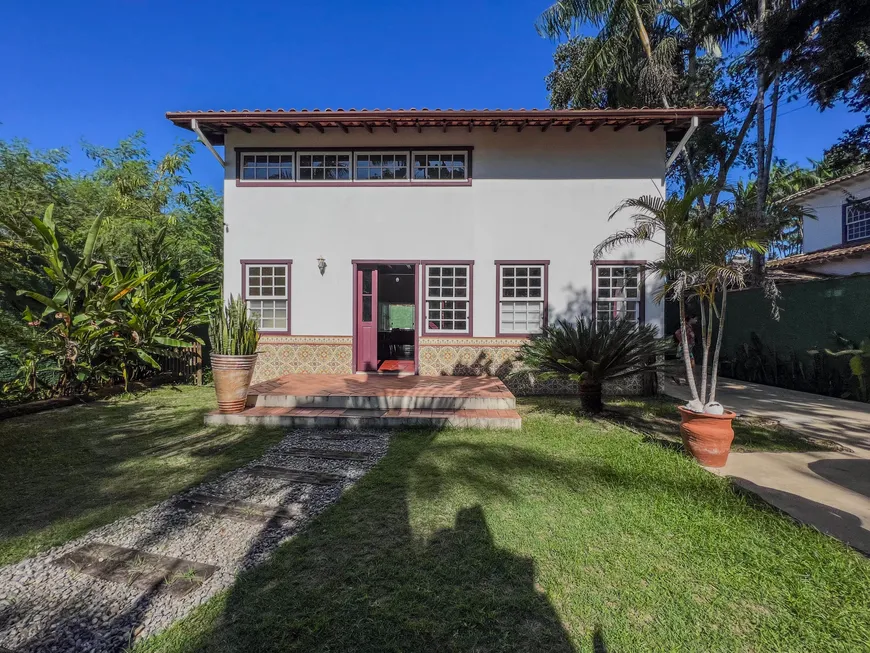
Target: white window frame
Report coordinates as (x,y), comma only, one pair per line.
(286,154)
(248,266)
(863,223)
(408,166)
(298,166)
(427,298)
(502,300)
(617,300)
(465,153)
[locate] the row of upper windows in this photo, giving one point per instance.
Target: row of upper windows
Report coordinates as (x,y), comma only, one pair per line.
(521,293)
(355,165)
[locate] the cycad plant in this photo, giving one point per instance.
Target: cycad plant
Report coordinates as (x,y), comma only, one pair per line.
(704,258)
(591,353)
(232,331)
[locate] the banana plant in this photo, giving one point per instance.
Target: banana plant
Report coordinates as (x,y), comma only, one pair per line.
(859,361)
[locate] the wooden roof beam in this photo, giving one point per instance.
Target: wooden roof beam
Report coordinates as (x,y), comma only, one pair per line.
(317,126)
(418,126)
(646,126)
(522,125)
(268,127)
(621,126)
(470,126)
(547,126)
(247,130)
(295,128)
(369,128)
(444,126)
(496,125)
(595,125)
(343,127)
(573,125)
(394,127)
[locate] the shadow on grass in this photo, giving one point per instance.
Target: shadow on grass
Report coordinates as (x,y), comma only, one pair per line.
(68,471)
(359,579)
(659,422)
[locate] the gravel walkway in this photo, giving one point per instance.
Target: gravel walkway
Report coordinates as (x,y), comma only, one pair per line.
(45,606)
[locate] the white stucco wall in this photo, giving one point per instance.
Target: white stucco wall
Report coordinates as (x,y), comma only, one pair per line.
(534,196)
(826,230)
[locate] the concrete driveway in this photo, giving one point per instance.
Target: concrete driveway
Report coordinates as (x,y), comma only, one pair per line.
(826,489)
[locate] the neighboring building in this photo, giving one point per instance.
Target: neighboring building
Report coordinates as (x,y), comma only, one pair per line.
(432,241)
(837,241)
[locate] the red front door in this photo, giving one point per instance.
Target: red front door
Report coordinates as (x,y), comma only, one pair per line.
(367,320)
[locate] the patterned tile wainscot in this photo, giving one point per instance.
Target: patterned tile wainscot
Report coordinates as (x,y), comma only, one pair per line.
(497,356)
(281,355)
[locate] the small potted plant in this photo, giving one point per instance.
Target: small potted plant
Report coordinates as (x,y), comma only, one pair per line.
(704,259)
(233,335)
(591,354)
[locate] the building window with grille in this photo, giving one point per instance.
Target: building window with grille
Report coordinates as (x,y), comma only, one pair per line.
(618,292)
(324,166)
(522,297)
(448,298)
(267,294)
(856,221)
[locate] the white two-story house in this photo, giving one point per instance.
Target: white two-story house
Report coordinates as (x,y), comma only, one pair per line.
(431,241)
(836,240)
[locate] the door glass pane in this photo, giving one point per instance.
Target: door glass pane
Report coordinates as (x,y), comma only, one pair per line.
(367,308)
(367,282)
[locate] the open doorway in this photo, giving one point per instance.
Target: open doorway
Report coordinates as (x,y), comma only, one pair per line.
(385,336)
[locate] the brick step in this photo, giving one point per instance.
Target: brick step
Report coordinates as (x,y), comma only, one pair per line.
(382,418)
(383,402)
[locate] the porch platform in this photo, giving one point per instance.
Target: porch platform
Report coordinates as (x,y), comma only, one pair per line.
(377,401)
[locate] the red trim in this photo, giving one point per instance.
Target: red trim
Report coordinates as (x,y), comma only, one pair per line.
(468,149)
(546,307)
(854,241)
(289,263)
(442,334)
(375,262)
(642,280)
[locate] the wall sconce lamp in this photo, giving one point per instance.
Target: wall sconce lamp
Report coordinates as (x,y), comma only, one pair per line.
(321,265)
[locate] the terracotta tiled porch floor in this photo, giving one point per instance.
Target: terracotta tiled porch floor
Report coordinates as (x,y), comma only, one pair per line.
(373,385)
(376,401)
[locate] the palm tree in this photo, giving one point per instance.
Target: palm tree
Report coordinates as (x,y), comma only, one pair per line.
(703,258)
(663,30)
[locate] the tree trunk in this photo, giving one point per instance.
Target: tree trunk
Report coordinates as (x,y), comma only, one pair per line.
(690,375)
(761,133)
(715,374)
(702,393)
(590,398)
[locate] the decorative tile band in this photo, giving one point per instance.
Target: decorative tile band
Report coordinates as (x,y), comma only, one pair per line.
(513,343)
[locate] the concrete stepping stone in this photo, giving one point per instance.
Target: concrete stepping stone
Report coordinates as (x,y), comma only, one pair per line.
(137,568)
(294,475)
(244,511)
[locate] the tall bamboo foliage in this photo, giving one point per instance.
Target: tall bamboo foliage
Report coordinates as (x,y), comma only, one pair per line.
(232,331)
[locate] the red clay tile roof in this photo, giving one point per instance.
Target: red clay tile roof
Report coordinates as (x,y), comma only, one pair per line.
(825,185)
(217,123)
(821,256)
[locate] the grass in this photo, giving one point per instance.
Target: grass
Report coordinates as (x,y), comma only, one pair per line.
(68,471)
(569,535)
(658,419)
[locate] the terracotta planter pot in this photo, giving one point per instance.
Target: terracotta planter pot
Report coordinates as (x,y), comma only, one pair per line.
(590,398)
(707,437)
(232,378)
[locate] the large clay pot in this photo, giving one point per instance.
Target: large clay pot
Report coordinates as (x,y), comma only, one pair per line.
(590,397)
(707,437)
(232,378)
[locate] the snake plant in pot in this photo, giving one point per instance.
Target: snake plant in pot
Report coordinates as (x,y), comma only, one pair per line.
(233,335)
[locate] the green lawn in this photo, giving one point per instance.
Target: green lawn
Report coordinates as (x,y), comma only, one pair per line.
(658,419)
(65,472)
(570,535)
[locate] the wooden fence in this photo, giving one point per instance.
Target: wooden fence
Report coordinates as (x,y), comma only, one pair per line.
(184,363)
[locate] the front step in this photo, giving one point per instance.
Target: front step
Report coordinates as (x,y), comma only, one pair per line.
(355,418)
(366,392)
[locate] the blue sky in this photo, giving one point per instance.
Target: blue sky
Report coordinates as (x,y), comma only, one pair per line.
(101,69)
